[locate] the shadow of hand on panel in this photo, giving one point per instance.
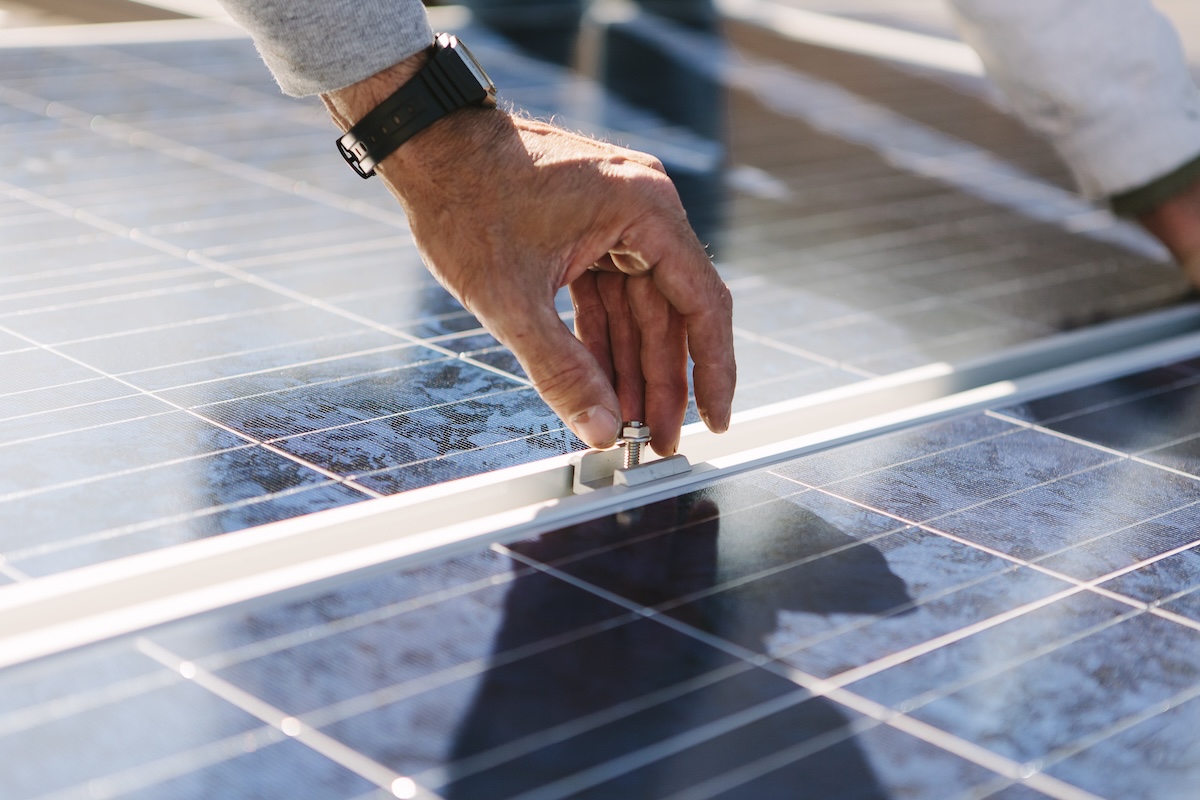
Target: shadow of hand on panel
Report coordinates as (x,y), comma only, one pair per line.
(613,687)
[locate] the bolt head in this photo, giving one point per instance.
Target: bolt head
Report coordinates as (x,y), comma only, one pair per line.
(635,431)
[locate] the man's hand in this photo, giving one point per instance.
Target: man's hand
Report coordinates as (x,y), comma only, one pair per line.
(506,211)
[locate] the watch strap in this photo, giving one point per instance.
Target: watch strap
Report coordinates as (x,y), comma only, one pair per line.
(443,85)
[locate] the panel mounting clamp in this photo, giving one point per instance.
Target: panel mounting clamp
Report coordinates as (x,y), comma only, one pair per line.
(600,469)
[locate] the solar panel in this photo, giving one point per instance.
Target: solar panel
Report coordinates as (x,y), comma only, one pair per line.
(245,333)
(200,334)
(987,605)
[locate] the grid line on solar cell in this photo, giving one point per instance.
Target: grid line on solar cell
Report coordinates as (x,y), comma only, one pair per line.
(931,527)
(127,279)
(998,666)
(828,488)
(340,379)
(1150,713)
(800,351)
(176,362)
(378,698)
(278,451)
(1159,466)
(1060,435)
(262,647)
(1109,533)
(88,269)
(128,65)
(321,743)
(111,533)
(909,653)
(602,773)
(960,445)
(736,778)
(1114,402)
(512,750)
(81,428)
(933,735)
(1178,619)
(118,473)
(1104,693)
(342,241)
(298,298)
(21,719)
(733,649)
(466,451)
(1135,455)
(130,134)
(277,366)
(1027,774)
(751,577)
(168,326)
(154,773)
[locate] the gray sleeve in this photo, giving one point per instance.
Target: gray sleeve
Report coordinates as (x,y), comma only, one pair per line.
(314,46)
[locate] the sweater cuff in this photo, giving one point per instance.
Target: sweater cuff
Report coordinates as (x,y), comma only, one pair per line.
(317,46)
(1144,199)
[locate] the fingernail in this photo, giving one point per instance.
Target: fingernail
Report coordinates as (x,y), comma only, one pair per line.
(597,426)
(715,425)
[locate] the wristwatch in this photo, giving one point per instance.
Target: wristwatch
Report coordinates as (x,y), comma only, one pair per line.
(451,79)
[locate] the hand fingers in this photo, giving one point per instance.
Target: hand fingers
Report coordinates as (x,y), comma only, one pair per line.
(566,374)
(625,341)
(669,253)
(663,361)
(591,321)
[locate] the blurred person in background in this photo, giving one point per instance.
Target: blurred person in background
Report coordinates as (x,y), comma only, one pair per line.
(1107,82)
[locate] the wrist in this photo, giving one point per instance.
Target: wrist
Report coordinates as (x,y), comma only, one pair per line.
(396,105)
(449,156)
(351,103)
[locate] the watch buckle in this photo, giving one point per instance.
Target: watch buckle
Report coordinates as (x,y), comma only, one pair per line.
(355,155)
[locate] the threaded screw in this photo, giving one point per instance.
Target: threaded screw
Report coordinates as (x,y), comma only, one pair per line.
(635,435)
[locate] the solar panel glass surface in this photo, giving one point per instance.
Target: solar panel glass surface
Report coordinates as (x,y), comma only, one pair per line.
(987,605)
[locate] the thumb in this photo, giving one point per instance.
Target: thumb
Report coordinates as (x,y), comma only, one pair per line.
(567,377)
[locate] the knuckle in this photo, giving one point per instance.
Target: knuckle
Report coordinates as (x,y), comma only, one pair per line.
(724,298)
(654,163)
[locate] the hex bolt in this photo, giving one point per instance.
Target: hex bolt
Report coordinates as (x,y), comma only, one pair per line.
(634,434)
